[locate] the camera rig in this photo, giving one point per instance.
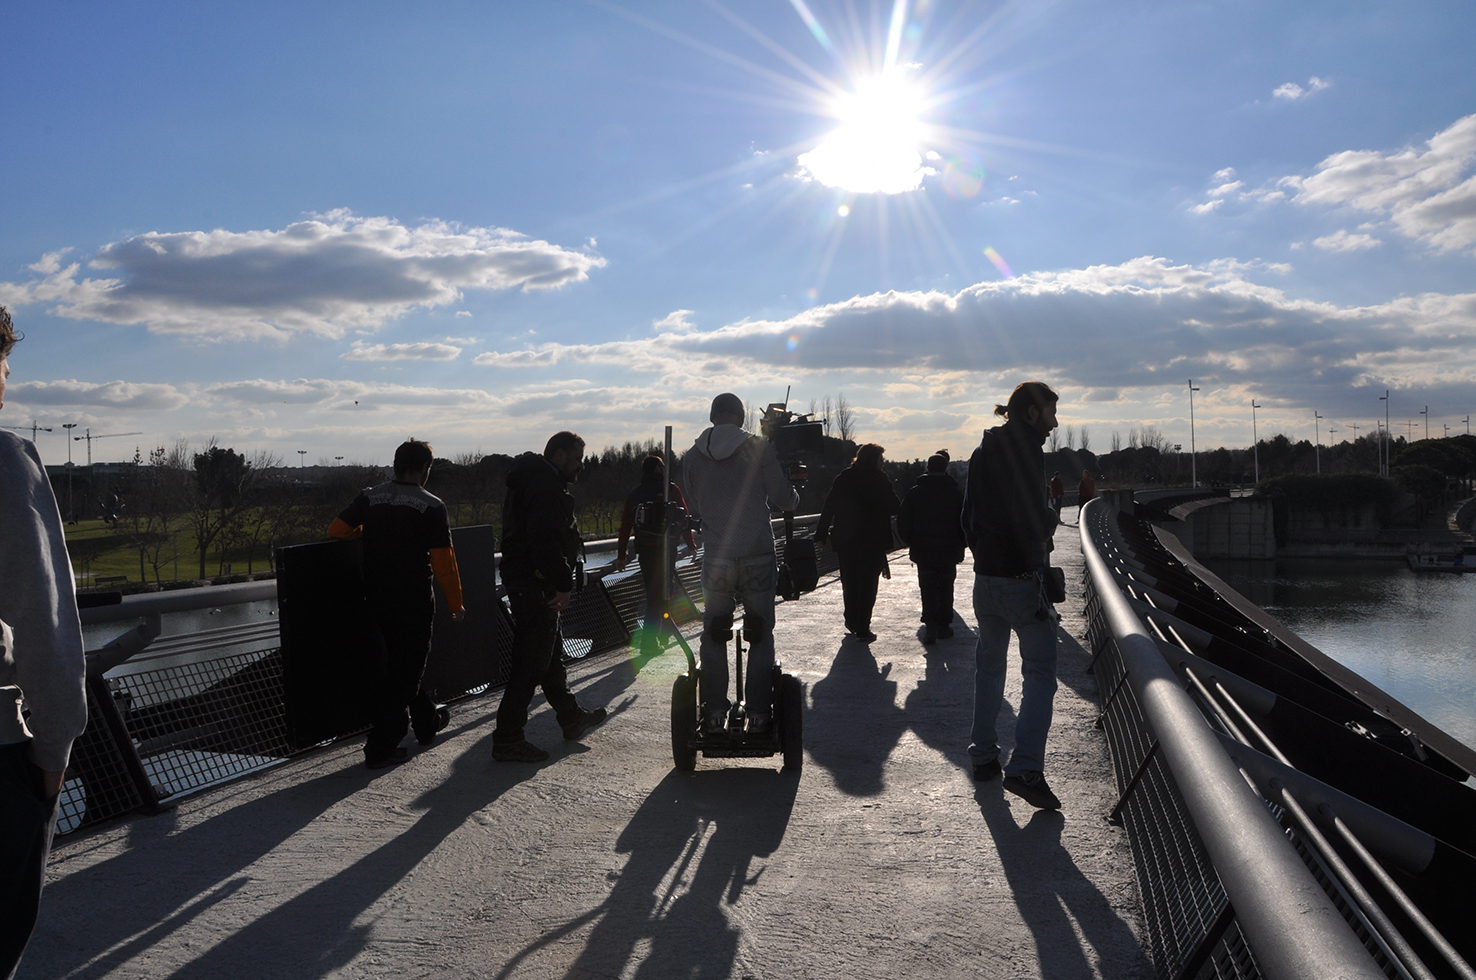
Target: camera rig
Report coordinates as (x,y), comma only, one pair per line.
(794,437)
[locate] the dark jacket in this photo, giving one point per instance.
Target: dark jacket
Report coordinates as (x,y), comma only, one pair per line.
(929,520)
(857,516)
(1006,521)
(540,538)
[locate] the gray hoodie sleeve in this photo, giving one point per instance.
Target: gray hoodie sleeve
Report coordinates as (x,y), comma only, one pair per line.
(777,488)
(44,663)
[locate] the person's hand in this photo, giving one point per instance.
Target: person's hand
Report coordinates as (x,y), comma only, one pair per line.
(620,564)
(559,602)
(458,615)
(51,782)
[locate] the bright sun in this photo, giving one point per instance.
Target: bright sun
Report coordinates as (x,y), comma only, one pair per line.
(876,148)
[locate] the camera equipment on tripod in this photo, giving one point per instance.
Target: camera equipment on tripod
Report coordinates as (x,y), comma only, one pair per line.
(793,436)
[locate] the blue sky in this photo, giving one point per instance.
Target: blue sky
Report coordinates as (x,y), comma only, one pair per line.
(328,229)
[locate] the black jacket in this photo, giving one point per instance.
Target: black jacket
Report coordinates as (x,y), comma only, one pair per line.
(929,520)
(1006,520)
(857,516)
(540,537)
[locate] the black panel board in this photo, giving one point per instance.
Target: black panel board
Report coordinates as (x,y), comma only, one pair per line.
(476,651)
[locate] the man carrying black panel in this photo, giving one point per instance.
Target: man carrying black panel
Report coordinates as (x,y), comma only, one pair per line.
(540,570)
(407,540)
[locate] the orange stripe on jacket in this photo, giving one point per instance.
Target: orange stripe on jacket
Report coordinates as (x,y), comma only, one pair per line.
(340,530)
(443,563)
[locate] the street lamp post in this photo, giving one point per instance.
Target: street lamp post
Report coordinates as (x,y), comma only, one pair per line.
(1255,441)
(1426,413)
(1317,434)
(302,464)
(1467,420)
(1193,460)
(71,513)
(338,460)
(1384,452)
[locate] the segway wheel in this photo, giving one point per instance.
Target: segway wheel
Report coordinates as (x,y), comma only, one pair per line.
(684,722)
(791,722)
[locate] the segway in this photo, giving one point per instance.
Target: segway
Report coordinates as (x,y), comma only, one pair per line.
(686,734)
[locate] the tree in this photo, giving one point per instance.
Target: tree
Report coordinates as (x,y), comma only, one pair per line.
(154,496)
(1116,440)
(1069,437)
(845,422)
(221,477)
(1086,439)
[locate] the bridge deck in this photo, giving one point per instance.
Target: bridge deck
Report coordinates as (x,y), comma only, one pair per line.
(883,859)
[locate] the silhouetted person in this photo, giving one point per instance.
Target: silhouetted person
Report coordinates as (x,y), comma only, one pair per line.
(1008,524)
(857,522)
(734,482)
(645,515)
(929,524)
(42,667)
(407,541)
(1085,490)
(1058,491)
(540,569)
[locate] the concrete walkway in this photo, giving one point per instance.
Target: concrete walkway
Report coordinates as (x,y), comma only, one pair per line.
(882,860)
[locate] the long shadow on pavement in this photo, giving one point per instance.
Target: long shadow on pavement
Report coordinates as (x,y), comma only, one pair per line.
(692,845)
(854,722)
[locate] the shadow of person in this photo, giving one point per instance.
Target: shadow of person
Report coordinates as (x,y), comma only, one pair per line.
(692,847)
(854,723)
(940,708)
(1077,932)
(1072,660)
(315,933)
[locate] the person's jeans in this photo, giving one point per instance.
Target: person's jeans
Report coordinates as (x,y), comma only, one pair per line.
(860,575)
(26,824)
(1001,605)
(658,600)
(935,582)
(725,583)
(537,661)
(406,637)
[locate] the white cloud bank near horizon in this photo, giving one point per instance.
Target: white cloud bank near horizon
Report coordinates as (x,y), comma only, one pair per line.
(327,275)
(923,367)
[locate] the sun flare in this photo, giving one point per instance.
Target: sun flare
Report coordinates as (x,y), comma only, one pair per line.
(877,148)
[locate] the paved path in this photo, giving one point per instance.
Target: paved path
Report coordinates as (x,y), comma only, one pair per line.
(882,860)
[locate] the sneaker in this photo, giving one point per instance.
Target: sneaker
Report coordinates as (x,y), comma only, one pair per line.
(393,757)
(523,751)
(1031,787)
(986,771)
(760,725)
(944,632)
(715,723)
(865,636)
(930,636)
(588,718)
(425,736)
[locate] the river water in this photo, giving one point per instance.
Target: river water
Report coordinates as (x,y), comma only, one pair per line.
(1411,633)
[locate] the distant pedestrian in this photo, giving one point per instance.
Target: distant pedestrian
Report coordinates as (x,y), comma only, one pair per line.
(929,524)
(1009,527)
(407,542)
(1085,490)
(646,517)
(856,521)
(541,569)
(43,703)
(1058,491)
(734,484)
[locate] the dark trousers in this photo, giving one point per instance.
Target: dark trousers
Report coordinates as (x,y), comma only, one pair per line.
(658,593)
(935,582)
(859,575)
(407,638)
(26,825)
(537,661)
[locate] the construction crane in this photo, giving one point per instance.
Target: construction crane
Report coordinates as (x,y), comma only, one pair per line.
(108,435)
(35,427)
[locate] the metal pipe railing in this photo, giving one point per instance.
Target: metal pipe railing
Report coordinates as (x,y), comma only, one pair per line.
(1290,924)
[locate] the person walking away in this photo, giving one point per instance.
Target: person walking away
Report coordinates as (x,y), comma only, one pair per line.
(406,538)
(734,482)
(42,667)
(1085,490)
(1008,526)
(1058,491)
(645,515)
(928,523)
(540,569)
(856,521)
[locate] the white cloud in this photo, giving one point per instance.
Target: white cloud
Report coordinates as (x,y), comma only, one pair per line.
(1343,240)
(1429,196)
(465,313)
(402,352)
(1229,187)
(326,275)
(1291,91)
(111,394)
(675,320)
(1207,206)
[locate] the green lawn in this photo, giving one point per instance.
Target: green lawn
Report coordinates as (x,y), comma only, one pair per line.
(100,552)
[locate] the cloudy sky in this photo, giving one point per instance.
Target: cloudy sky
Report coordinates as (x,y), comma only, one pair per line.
(329,227)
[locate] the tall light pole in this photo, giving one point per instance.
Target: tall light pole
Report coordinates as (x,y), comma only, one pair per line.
(1447,431)
(1383,452)
(1317,434)
(301,464)
(1193,461)
(1467,420)
(1255,441)
(71,513)
(338,460)
(1426,413)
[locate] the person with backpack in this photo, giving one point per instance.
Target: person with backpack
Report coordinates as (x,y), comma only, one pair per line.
(928,524)
(1008,525)
(656,514)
